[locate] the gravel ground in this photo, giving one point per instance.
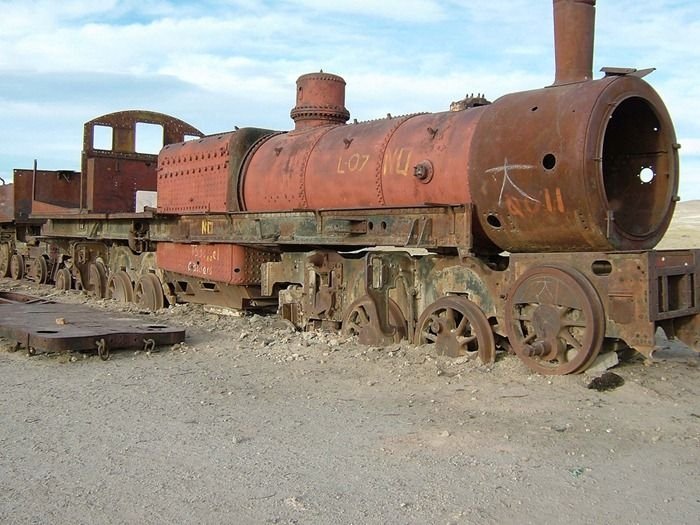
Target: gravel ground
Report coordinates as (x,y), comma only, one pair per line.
(248,421)
(251,422)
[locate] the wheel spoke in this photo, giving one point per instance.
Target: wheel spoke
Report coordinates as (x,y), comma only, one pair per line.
(450,315)
(464,341)
(362,315)
(530,338)
(462,325)
(569,338)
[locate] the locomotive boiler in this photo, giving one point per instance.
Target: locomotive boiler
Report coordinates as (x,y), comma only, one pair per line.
(526,224)
(579,165)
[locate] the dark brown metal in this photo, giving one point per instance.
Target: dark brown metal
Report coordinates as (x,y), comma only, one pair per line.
(148,292)
(17,267)
(97,279)
(5,257)
(362,320)
(111,177)
(63,279)
(7,202)
(457,327)
(574,28)
(555,320)
(55,327)
(119,287)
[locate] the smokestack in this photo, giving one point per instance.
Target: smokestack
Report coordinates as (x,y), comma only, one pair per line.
(574,28)
(320,101)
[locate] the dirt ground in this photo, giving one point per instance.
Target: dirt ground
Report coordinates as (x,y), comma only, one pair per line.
(250,422)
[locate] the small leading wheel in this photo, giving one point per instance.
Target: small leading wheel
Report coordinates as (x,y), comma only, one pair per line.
(97,279)
(555,320)
(457,327)
(148,292)
(102,349)
(64,280)
(119,287)
(360,321)
(5,257)
(41,270)
(17,267)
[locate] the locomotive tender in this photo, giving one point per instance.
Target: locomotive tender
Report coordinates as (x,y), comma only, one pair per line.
(526,224)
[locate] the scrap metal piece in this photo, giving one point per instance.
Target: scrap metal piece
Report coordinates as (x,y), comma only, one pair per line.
(41,325)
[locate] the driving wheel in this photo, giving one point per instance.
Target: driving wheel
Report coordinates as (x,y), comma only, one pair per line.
(119,287)
(41,270)
(148,293)
(555,320)
(5,257)
(97,279)
(361,321)
(17,267)
(457,327)
(63,279)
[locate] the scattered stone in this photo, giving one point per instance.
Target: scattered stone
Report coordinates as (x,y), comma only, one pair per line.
(61,320)
(283,324)
(295,503)
(607,381)
(222,310)
(445,433)
(602,363)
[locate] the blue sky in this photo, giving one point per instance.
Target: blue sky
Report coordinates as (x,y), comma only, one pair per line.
(220,63)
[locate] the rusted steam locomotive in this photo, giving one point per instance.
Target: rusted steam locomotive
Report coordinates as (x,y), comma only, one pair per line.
(527,223)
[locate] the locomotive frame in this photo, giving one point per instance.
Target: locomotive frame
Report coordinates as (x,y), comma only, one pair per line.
(574,283)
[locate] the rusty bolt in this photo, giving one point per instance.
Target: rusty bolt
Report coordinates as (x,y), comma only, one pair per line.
(423,171)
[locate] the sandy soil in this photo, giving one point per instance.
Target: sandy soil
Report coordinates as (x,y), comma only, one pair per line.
(250,422)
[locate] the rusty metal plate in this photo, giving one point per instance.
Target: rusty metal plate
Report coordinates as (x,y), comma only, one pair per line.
(227,263)
(7,202)
(41,325)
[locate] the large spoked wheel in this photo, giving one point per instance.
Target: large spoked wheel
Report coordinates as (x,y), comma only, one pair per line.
(555,320)
(148,293)
(41,270)
(5,256)
(17,267)
(361,322)
(97,279)
(119,287)
(63,279)
(457,327)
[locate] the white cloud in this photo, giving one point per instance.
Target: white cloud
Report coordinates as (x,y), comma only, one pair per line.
(219,62)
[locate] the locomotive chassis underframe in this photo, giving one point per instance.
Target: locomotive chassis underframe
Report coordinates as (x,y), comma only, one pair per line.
(408,260)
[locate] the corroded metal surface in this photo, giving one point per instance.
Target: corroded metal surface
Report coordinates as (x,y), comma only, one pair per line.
(225,263)
(201,175)
(43,325)
(111,177)
(320,101)
(7,202)
(580,165)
